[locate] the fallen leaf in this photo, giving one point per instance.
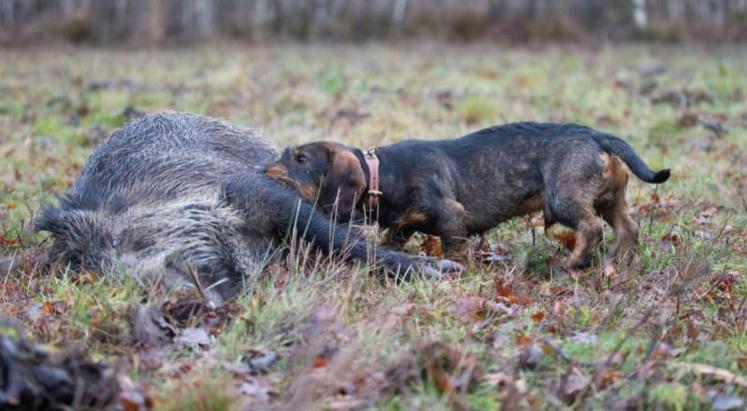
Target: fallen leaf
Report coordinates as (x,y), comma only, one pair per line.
(319,362)
(149,328)
(432,246)
(262,361)
(522,339)
(688,120)
(469,309)
(742,361)
(504,293)
(259,389)
(502,287)
(55,307)
(608,377)
(564,236)
(498,379)
(704,217)
(522,300)
(132,396)
(668,241)
(574,384)
(395,318)
(692,332)
(450,369)
(240,370)
(558,309)
(86,278)
(443,382)
(609,272)
(665,350)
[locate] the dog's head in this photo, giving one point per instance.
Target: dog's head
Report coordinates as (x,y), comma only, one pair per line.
(325,173)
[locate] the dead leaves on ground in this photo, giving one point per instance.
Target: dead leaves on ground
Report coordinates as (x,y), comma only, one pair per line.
(35,378)
(683,98)
(183,318)
(524,314)
(507,301)
(450,370)
(432,246)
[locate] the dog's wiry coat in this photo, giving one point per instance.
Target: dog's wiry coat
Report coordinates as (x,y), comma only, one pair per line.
(171,193)
(456,188)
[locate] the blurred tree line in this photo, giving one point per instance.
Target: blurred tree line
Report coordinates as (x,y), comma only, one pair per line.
(188,21)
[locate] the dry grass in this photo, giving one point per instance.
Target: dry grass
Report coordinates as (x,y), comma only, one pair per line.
(519,333)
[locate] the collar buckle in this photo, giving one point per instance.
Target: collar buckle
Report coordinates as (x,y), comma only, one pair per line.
(373,193)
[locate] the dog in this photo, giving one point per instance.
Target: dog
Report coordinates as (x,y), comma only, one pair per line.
(460,187)
(171,196)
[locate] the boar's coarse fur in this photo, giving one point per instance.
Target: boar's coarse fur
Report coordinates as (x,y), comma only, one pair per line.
(173,194)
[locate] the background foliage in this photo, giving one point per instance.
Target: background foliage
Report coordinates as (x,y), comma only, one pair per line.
(157,22)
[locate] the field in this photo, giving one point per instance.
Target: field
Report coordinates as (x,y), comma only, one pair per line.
(669,332)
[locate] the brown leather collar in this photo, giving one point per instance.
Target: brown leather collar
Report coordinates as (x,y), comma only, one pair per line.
(372,161)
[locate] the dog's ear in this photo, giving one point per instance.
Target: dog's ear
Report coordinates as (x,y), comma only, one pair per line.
(344,183)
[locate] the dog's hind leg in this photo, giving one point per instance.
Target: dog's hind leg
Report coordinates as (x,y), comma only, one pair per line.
(626,231)
(576,210)
(614,210)
(573,184)
(588,235)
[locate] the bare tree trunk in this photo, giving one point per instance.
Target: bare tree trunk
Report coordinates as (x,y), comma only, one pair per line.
(155,28)
(398,12)
(640,17)
(675,9)
(7,14)
(204,17)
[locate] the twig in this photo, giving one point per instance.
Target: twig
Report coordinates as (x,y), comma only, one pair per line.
(718,373)
(713,286)
(528,221)
(723,226)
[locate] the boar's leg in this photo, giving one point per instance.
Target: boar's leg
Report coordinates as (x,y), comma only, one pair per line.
(267,203)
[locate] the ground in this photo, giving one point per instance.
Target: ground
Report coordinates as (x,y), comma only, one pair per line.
(669,332)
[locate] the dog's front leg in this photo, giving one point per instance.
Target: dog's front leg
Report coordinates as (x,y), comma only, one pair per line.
(451,227)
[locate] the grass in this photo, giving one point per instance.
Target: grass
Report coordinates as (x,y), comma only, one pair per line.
(517,333)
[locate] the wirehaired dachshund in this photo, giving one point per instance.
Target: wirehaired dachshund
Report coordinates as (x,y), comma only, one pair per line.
(460,187)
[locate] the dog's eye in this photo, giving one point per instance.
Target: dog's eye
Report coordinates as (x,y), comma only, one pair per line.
(300,158)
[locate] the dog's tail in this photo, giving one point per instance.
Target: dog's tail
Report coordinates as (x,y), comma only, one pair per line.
(620,148)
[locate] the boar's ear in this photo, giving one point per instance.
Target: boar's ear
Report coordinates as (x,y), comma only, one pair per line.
(55,220)
(344,183)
